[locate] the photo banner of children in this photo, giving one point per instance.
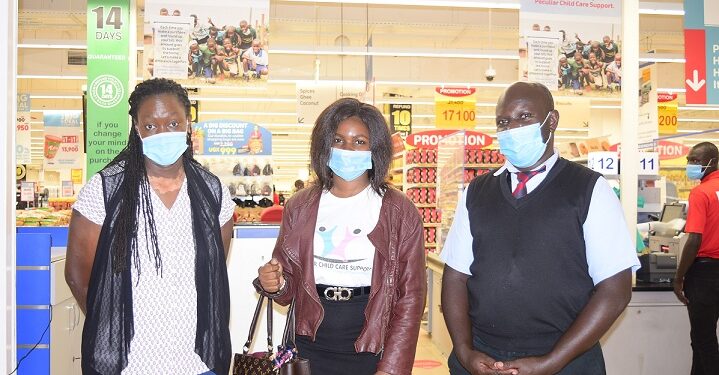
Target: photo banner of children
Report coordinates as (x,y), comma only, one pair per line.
(216,42)
(583,42)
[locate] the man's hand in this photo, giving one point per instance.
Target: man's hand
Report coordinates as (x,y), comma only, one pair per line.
(270,276)
(530,366)
(679,290)
(478,363)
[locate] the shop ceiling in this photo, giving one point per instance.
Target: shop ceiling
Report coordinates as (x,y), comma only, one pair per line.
(329,39)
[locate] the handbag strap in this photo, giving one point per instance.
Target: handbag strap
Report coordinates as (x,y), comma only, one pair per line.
(269,325)
(253,325)
(289,334)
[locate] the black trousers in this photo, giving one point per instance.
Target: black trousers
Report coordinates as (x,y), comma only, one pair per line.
(333,351)
(701,287)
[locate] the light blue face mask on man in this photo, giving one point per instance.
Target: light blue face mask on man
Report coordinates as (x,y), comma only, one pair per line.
(523,146)
(165,148)
(696,171)
(349,165)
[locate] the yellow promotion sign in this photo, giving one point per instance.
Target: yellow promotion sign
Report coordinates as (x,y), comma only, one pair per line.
(667,109)
(455,107)
(76,176)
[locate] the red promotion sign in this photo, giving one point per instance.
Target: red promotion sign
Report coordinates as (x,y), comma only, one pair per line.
(430,139)
(667,150)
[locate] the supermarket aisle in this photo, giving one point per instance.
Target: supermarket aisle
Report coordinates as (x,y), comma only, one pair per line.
(428,359)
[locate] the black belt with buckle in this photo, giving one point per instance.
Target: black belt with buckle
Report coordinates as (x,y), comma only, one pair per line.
(341,293)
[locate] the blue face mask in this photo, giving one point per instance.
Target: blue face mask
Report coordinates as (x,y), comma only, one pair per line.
(696,171)
(349,165)
(165,148)
(523,146)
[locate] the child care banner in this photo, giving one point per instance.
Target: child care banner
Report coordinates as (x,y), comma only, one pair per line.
(108,74)
(553,32)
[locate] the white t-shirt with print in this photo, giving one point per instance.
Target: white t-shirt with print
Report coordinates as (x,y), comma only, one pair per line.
(343,254)
(164,304)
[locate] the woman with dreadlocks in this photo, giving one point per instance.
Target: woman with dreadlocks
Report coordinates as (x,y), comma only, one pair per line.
(146,251)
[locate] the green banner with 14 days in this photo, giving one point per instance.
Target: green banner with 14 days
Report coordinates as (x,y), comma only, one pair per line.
(108,74)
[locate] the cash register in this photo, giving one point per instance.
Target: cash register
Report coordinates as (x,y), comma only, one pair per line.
(666,241)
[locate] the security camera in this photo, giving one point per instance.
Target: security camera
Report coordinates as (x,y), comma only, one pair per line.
(490,73)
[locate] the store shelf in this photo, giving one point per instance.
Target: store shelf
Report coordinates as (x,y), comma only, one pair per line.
(426,184)
(430,244)
(431,225)
(425,205)
(421,165)
(398,170)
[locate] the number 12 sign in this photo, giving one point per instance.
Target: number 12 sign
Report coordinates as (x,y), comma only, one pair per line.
(604,162)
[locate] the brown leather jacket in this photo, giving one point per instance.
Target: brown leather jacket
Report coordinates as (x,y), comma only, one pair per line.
(399,283)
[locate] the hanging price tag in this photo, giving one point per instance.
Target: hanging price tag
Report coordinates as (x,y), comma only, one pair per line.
(648,163)
(604,162)
(454,107)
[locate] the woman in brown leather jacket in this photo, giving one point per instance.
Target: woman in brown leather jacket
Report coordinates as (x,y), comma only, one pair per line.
(350,252)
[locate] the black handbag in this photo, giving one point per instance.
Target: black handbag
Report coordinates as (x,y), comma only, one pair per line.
(261,363)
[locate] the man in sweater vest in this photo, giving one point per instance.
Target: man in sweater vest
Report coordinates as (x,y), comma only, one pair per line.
(697,280)
(539,257)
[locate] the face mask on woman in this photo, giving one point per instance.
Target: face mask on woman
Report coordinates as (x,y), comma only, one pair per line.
(349,165)
(696,171)
(165,148)
(523,146)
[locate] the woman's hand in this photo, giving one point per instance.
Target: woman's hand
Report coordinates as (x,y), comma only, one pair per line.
(270,276)
(381,373)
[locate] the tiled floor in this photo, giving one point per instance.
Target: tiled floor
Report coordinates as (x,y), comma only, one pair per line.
(428,360)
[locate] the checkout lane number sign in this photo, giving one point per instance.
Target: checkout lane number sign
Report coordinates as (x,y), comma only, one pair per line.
(604,162)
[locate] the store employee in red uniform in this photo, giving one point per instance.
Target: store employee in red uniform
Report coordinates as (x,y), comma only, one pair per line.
(697,279)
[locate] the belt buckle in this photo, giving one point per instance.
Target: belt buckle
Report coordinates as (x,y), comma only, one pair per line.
(338,293)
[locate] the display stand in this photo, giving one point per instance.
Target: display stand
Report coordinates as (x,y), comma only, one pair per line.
(420,178)
(459,164)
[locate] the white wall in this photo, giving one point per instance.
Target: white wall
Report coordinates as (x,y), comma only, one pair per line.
(8,40)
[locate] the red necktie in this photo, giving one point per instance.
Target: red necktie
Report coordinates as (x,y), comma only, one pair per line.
(522,178)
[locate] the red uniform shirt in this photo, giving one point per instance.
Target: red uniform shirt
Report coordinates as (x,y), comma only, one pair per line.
(703,215)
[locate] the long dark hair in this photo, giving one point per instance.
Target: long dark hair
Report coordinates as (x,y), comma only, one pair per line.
(324,133)
(132,161)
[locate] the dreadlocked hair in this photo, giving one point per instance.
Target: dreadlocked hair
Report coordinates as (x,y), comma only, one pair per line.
(132,160)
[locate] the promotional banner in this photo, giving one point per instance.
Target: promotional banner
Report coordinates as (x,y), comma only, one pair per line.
(22,131)
(63,140)
(701,51)
(215,41)
(231,137)
(647,125)
(314,97)
(400,118)
(667,112)
(430,139)
(542,58)
(455,107)
(587,60)
(108,48)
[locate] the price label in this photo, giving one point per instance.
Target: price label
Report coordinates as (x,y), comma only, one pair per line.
(27,191)
(604,162)
(455,108)
(67,189)
(648,163)
(667,113)
(76,176)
